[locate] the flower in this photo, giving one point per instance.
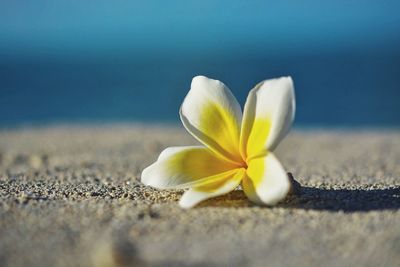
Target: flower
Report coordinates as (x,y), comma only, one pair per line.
(238,149)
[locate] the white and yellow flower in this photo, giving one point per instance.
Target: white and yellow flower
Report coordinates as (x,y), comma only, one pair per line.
(238,149)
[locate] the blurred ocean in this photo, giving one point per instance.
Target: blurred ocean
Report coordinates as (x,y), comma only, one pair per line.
(62,63)
(338,89)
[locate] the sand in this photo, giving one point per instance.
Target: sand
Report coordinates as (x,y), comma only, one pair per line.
(71,196)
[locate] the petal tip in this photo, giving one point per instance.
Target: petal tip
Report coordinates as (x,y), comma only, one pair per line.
(186,202)
(148,177)
(145,177)
(289,79)
(202,82)
(277,194)
(185,206)
(199,79)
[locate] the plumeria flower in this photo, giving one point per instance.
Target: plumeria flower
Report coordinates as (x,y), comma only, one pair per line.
(238,149)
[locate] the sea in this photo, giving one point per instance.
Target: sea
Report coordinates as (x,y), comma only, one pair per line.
(341,88)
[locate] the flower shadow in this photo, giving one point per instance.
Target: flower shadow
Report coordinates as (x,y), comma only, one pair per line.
(311,198)
(347,200)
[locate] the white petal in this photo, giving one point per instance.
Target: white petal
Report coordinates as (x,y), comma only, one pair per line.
(266,182)
(220,187)
(181,167)
(268,115)
(212,115)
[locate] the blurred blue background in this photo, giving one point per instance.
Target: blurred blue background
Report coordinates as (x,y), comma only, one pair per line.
(127,61)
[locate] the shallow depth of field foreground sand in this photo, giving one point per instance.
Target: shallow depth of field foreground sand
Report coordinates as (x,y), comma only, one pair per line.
(71,196)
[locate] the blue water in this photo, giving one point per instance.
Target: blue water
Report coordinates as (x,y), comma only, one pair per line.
(343,89)
(92,62)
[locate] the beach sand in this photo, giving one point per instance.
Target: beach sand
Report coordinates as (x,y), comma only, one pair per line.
(71,196)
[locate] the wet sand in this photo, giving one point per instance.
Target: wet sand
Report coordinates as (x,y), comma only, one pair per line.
(71,196)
